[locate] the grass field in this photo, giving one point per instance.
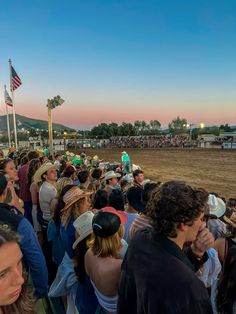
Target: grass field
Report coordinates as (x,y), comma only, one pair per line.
(212,169)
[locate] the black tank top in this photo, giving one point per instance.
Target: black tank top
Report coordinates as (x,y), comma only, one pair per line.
(228,244)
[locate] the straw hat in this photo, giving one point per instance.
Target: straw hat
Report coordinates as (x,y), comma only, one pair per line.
(217,206)
(83,226)
(41,170)
(73,195)
(231,220)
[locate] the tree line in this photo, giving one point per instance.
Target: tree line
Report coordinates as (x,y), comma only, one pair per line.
(140,127)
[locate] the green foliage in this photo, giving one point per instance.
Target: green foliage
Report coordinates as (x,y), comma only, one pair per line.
(105,130)
(225,128)
(178,125)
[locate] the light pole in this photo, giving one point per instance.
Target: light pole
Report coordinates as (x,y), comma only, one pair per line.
(189,125)
(64,138)
(51,104)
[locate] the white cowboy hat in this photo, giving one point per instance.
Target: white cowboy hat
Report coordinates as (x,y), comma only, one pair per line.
(83,226)
(41,170)
(217,206)
(111,174)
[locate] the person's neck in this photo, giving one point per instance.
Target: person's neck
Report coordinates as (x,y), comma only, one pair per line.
(178,241)
(52,182)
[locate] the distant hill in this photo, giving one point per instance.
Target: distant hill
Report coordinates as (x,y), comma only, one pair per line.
(29,123)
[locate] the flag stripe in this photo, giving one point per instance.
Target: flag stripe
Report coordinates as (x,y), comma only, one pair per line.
(16,81)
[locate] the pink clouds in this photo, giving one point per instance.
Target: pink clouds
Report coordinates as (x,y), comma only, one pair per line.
(86,116)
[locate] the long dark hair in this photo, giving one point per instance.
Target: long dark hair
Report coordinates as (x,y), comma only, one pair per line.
(34,164)
(78,258)
(25,303)
(60,204)
(226,295)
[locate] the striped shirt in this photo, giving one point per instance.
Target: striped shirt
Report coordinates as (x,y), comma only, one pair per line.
(141,222)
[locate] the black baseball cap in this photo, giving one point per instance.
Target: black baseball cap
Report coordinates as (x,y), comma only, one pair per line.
(107,221)
(3,183)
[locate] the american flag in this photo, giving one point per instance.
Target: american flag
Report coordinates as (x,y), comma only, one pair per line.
(15,80)
(8,100)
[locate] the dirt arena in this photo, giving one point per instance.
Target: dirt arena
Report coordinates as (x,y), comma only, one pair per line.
(212,169)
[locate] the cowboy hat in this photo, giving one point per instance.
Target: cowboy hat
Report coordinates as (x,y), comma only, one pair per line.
(73,195)
(231,220)
(83,226)
(43,169)
(111,174)
(216,206)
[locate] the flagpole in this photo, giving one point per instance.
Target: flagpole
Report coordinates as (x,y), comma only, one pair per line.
(50,133)
(8,124)
(8,128)
(13,106)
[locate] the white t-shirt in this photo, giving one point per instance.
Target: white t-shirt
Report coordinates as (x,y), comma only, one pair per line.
(47,193)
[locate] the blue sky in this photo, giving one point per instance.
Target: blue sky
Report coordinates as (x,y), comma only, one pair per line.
(122,60)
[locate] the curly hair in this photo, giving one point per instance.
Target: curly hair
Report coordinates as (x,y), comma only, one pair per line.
(174,203)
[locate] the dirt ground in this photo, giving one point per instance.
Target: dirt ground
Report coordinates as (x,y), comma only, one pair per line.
(212,169)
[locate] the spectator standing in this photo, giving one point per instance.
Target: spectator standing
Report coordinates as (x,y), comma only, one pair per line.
(157,276)
(24,188)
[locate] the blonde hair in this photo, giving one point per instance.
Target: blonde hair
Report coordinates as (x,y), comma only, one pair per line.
(72,211)
(61,183)
(107,247)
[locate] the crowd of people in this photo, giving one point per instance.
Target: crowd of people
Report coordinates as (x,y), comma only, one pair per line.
(90,240)
(150,141)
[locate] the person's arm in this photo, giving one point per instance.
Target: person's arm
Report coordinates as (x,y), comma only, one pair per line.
(34,193)
(220,247)
(15,200)
(34,197)
(34,258)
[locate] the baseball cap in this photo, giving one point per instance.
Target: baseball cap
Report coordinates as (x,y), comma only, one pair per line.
(107,221)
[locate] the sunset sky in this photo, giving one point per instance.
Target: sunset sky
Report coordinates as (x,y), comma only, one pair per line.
(115,61)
